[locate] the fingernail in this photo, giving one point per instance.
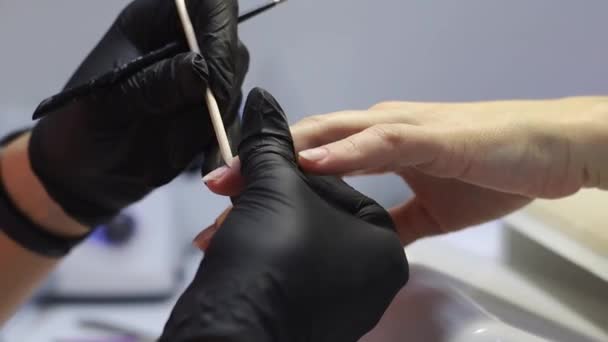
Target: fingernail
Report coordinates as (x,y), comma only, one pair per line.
(201,241)
(315,154)
(215,174)
(235,164)
(204,232)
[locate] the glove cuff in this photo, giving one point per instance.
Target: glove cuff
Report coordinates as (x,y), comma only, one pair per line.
(69,196)
(24,231)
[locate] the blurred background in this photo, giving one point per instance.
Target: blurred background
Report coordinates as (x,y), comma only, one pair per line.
(315,56)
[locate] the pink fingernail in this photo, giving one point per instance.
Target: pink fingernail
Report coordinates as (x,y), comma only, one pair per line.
(216,174)
(315,154)
(201,241)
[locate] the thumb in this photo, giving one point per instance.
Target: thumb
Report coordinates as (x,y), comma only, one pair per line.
(266,140)
(414,221)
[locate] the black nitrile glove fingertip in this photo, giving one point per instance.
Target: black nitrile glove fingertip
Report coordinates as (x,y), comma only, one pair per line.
(190,73)
(264,129)
(167,88)
(41,110)
(198,65)
(264,116)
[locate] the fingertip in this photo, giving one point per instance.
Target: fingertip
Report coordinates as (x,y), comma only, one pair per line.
(263,116)
(169,86)
(265,134)
(189,64)
(315,167)
(413,221)
(229,188)
(226,181)
(326,160)
(313,159)
(192,74)
(315,155)
(300,142)
(203,239)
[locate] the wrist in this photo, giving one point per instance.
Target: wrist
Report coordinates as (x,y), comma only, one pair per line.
(29,195)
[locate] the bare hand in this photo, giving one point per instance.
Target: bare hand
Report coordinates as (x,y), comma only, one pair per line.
(466,162)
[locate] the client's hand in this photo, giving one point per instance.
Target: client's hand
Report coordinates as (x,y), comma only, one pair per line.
(466,162)
(299,258)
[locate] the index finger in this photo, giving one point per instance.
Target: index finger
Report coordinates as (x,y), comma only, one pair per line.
(318,130)
(314,131)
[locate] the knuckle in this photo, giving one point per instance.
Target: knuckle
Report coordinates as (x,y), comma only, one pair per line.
(351,146)
(442,155)
(388,134)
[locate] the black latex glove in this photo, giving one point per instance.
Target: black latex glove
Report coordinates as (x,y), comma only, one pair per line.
(299,258)
(145,26)
(148,25)
(107,141)
(111,143)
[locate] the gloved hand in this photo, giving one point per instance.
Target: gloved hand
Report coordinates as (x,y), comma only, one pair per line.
(106,146)
(107,141)
(145,26)
(299,258)
(148,25)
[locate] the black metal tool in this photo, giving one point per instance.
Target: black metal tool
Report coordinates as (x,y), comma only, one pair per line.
(254,12)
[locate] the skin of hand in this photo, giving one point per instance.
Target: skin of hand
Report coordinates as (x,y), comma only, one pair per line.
(299,257)
(467,163)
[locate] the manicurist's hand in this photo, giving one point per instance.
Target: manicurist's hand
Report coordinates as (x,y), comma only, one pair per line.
(133,115)
(145,26)
(108,145)
(131,118)
(299,257)
(466,162)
